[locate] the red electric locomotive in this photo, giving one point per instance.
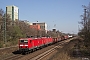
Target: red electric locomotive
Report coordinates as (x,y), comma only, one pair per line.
(30,44)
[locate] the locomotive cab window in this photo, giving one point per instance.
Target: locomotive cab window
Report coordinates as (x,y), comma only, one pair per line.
(23,41)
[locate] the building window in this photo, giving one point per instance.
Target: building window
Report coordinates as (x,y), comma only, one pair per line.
(12,13)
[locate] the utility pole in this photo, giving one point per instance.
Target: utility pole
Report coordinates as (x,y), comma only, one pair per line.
(85,17)
(85,20)
(4,30)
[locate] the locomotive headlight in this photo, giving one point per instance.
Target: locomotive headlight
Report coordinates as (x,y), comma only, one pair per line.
(26,45)
(21,45)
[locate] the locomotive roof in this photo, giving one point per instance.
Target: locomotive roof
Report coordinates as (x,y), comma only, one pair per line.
(32,38)
(27,38)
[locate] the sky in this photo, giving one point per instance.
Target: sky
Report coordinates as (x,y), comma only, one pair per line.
(63,15)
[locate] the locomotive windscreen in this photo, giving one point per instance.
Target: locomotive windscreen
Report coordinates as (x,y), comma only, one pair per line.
(23,41)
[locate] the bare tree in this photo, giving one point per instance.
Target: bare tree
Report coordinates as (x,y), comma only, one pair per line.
(85,31)
(1,23)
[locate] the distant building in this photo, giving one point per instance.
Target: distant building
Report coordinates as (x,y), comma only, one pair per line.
(27,22)
(13,11)
(43,25)
(37,27)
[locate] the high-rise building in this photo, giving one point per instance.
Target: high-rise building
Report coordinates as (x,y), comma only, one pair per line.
(13,11)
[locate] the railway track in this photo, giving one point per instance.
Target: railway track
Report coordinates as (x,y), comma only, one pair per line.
(7,50)
(20,57)
(40,55)
(13,57)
